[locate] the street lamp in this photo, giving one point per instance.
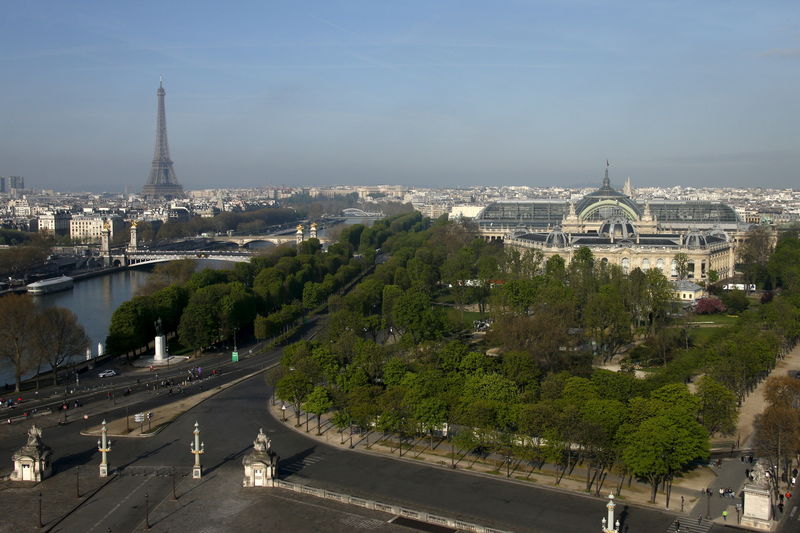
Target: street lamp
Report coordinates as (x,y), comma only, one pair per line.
(197,448)
(146,511)
(612,526)
(104,446)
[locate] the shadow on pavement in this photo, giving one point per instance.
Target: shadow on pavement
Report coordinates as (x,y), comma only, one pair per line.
(295,460)
(229,457)
(63,464)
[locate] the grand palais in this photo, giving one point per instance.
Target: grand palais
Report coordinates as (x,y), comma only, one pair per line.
(618,230)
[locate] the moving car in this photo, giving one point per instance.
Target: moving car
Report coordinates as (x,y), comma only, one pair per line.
(107,373)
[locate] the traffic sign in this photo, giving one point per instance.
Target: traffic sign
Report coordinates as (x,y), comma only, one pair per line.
(138,417)
(234,357)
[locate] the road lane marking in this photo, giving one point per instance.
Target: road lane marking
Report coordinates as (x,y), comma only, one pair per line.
(113,509)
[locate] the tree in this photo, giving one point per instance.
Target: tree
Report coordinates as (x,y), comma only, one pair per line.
(754,253)
(607,320)
(783,391)
(201,322)
(413,314)
(131,326)
(784,264)
(736,301)
(168,304)
(18,319)
(777,435)
(709,306)
(58,336)
(718,406)
(294,388)
(318,402)
(658,293)
(681,261)
(663,445)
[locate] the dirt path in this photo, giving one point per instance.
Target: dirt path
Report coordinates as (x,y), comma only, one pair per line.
(754,404)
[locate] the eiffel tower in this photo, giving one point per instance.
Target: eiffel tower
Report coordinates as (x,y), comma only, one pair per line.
(162,183)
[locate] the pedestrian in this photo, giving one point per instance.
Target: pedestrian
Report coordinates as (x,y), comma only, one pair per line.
(721,492)
(725,516)
(699,519)
(677,525)
(682,501)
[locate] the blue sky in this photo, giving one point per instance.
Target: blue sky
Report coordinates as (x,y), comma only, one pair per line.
(436,92)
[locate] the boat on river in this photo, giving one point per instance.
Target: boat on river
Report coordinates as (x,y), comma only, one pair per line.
(61,283)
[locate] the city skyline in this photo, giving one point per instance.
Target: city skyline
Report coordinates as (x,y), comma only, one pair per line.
(456,93)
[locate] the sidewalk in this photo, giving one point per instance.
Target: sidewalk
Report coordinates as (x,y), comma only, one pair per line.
(754,404)
(689,486)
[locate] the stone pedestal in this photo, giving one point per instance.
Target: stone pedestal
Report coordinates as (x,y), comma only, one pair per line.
(32,462)
(757,511)
(757,507)
(260,465)
(161,348)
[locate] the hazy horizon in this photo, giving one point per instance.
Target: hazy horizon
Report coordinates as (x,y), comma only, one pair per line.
(445,94)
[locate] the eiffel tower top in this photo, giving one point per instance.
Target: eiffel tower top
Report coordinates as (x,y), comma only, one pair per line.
(161,182)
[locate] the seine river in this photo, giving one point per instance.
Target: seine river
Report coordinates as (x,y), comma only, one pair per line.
(94,300)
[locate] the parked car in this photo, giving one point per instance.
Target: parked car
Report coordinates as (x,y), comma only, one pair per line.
(107,373)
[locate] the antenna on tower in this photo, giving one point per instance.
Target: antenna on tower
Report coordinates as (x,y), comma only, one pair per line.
(161,81)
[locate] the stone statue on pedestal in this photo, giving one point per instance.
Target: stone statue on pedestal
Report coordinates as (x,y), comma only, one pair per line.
(260,465)
(32,462)
(758,502)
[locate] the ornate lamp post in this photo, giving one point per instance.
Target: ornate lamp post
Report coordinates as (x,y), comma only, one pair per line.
(197,448)
(612,526)
(104,446)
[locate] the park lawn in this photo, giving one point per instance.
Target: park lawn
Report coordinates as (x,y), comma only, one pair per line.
(719,319)
(454,314)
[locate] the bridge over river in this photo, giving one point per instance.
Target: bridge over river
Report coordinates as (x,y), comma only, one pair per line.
(219,247)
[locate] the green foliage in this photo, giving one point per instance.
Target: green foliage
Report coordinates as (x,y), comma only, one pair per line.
(736,301)
(200,322)
(718,405)
(131,326)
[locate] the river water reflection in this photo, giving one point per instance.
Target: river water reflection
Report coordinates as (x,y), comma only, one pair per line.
(94,300)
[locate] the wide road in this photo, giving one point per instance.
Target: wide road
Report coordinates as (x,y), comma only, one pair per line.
(230,421)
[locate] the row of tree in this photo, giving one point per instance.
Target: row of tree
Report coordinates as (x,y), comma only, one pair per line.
(265,295)
(33,338)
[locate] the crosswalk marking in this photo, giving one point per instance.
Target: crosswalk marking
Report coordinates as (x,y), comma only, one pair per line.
(361,522)
(298,465)
(690,526)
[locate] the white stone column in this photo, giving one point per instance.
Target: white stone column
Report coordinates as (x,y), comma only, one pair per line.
(104,446)
(161,347)
(609,525)
(197,448)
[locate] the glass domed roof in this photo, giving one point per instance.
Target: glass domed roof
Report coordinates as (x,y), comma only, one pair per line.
(613,204)
(617,228)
